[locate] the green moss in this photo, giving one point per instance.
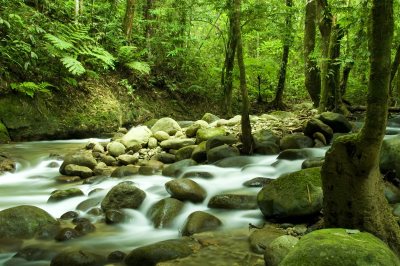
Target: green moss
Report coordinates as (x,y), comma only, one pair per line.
(4,137)
(204,134)
(340,247)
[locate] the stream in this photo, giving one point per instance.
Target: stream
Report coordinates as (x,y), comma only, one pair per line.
(34,180)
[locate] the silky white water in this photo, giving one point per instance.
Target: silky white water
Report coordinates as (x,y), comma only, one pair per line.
(34,180)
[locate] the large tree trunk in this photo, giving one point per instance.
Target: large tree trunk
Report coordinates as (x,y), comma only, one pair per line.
(352,183)
(246,137)
(311,70)
(229,61)
(277,103)
(128,18)
(325,27)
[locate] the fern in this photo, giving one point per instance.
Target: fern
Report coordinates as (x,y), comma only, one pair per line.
(141,67)
(30,88)
(57,42)
(73,65)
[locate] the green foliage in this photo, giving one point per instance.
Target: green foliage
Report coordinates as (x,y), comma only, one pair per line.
(127,55)
(31,88)
(73,65)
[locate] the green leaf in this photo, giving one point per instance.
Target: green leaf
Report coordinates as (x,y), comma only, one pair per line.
(141,67)
(57,42)
(74,66)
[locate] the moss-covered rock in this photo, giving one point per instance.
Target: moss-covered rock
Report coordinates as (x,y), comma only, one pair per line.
(233,201)
(4,136)
(59,195)
(123,195)
(296,141)
(200,221)
(337,122)
(77,258)
(163,212)
(166,124)
(209,118)
(25,222)
(222,152)
(292,195)
(177,168)
(276,251)
(340,247)
(185,152)
(204,134)
(150,255)
(186,189)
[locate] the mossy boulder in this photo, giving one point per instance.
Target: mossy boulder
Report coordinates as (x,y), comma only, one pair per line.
(176,144)
(340,247)
(315,125)
(62,194)
(204,134)
(220,140)
(296,141)
(78,258)
(199,153)
(123,195)
(137,135)
(152,254)
(166,124)
(115,148)
(293,195)
(6,164)
(25,222)
(81,158)
(186,189)
(233,201)
(185,152)
(4,136)
(276,251)
(200,221)
(77,170)
(390,155)
(337,122)
(221,152)
(128,170)
(177,168)
(163,212)
(209,118)
(192,129)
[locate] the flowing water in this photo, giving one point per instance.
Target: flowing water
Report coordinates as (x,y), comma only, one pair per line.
(34,180)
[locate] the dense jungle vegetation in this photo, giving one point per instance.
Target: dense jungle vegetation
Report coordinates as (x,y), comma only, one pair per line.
(186,46)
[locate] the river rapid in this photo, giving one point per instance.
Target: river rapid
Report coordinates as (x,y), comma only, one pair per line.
(34,180)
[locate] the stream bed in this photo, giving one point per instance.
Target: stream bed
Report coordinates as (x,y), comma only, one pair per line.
(34,180)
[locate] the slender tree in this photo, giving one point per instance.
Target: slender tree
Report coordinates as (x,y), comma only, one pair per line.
(312,75)
(246,137)
(277,103)
(128,18)
(352,183)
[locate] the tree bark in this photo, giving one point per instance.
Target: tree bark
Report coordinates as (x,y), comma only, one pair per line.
(246,137)
(311,70)
(345,77)
(325,27)
(352,184)
(395,67)
(230,60)
(277,103)
(128,18)
(148,31)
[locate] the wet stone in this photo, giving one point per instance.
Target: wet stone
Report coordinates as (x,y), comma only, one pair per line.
(116,256)
(69,215)
(67,234)
(85,228)
(114,216)
(67,179)
(257,182)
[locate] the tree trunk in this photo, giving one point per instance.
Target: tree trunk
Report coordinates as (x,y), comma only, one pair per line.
(325,27)
(128,18)
(311,70)
(345,77)
(246,137)
(277,103)
(148,31)
(229,61)
(77,6)
(395,66)
(352,183)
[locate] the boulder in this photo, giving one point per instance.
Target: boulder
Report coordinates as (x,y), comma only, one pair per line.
(296,141)
(185,189)
(6,164)
(390,156)
(261,238)
(95,147)
(114,216)
(266,142)
(233,202)
(199,153)
(77,258)
(177,168)
(337,122)
(102,170)
(293,195)
(221,152)
(235,162)
(153,143)
(161,135)
(200,221)
(151,255)
(4,136)
(123,195)
(192,129)
(108,160)
(313,162)
(137,135)
(25,222)
(294,154)
(340,247)
(176,144)
(89,203)
(123,171)
(185,152)
(257,182)
(66,234)
(126,159)
(163,212)
(204,134)
(59,195)
(165,157)
(115,148)
(276,251)
(81,158)
(219,141)
(166,124)
(77,170)
(315,125)
(209,118)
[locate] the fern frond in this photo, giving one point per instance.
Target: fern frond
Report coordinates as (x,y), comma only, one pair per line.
(141,67)
(30,88)
(57,42)
(74,66)
(126,53)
